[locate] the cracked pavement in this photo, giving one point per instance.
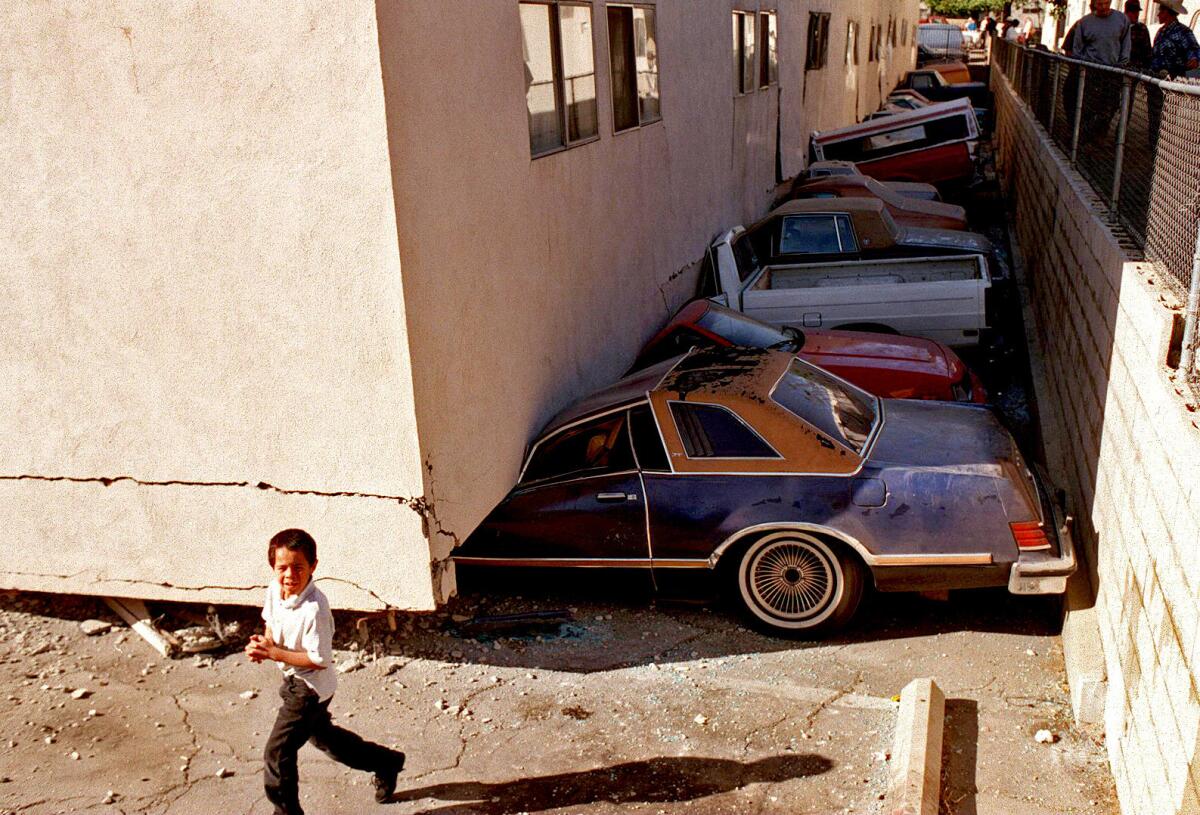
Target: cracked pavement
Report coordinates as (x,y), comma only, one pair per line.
(634,706)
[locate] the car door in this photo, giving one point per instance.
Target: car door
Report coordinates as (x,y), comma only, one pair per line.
(579,501)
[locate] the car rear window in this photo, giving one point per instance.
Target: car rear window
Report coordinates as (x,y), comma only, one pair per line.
(741,330)
(713,431)
(835,408)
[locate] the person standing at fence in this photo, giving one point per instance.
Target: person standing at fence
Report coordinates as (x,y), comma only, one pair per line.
(1140,48)
(1175,53)
(1101,37)
(1175,49)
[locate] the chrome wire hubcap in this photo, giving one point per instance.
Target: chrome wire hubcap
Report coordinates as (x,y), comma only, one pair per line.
(792,579)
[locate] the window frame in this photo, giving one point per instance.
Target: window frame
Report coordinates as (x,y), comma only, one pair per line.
(577,475)
(843,228)
(768,48)
(750,428)
(816,55)
(745,82)
(559,79)
(631,51)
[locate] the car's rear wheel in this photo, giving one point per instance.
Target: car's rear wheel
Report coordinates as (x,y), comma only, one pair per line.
(799,584)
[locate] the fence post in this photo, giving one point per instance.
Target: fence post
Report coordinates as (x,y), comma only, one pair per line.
(1053,96)
(1187,359)
(1122,126)
(1078,115)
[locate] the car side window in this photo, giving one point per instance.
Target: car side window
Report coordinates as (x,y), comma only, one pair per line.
(809,234)
(647,442)
(922,82)
(594,448)
(713,431)
(846,234)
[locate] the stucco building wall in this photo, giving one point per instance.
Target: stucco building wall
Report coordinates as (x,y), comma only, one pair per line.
(294,266)
(1122,441)
(530,281)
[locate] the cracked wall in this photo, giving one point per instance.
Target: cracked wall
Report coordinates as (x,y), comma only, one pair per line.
(542,277)
(205,336)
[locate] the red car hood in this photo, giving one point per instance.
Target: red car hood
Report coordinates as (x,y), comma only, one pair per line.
(886,364)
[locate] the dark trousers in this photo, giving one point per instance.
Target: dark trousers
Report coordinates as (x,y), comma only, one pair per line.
(303,717)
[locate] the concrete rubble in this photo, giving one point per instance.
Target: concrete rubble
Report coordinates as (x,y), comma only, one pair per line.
(700,715)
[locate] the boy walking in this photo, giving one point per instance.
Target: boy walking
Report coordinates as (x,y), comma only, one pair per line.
(299,636)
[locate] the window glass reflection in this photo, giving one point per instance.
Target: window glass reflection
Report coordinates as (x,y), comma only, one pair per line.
(539,78)
(579,75)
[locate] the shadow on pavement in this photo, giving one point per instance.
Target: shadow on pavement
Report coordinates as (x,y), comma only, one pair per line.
(656,780)
(960,740)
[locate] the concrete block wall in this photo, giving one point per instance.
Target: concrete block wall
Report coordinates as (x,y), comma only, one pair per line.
(1123,441)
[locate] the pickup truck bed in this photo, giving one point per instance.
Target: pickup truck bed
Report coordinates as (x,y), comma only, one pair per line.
(941,298)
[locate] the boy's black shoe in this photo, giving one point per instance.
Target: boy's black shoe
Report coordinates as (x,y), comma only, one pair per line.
(385,782)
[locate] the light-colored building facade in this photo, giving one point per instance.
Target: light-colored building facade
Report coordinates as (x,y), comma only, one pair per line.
(331,266)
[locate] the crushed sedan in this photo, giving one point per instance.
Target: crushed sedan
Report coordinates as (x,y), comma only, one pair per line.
(887,365)
(794,486)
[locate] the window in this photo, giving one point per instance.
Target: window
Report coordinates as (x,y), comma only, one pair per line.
(633,57)
(768,68)
(818,41)
(600,446)
(560,77)
(835,408)
(852,43)
(922,82)
(744,63)
(712,431)
(872,55)
(892,32)
(647,442)
(816,234)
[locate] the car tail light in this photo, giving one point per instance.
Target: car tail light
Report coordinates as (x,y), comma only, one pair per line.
(1029,535)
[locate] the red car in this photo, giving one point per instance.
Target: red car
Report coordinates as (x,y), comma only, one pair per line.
(887,365)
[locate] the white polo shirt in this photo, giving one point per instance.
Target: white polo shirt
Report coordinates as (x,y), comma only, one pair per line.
(304,623)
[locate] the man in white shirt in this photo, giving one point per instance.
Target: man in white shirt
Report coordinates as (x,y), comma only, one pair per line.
(299,637)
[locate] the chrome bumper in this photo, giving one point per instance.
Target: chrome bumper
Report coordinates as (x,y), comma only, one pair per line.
(1033,574)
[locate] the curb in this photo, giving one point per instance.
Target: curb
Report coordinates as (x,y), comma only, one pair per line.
(1087,674)
(915,785)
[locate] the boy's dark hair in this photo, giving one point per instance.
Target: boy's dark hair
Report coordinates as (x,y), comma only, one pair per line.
(297,540)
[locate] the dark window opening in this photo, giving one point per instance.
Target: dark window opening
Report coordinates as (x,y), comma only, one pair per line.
(818,41)
(647,442)
(709,431)
(598,447)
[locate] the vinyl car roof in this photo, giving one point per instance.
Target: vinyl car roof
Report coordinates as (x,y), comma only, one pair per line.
(867,214)
(738,379)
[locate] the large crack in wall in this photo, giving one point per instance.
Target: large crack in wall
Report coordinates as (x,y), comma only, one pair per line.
(423,505)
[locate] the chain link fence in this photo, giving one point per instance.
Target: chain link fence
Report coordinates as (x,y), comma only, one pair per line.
(1136,140)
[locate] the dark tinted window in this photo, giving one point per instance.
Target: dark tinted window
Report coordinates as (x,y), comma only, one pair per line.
(647,442)
(596,447)
(809,234)
(842,412)
(743,254)
(708,431)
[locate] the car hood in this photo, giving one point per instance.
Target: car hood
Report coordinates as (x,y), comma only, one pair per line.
(945,435)
(823,347)
(950,239)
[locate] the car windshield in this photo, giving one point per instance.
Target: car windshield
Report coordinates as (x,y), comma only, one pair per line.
(742,330)
(835,408)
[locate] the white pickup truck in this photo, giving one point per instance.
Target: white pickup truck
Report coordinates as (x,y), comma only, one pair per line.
(814,270)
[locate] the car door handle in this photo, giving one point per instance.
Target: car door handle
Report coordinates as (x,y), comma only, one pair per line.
(613,497)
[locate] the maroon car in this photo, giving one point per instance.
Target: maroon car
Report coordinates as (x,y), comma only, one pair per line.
(887,365)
